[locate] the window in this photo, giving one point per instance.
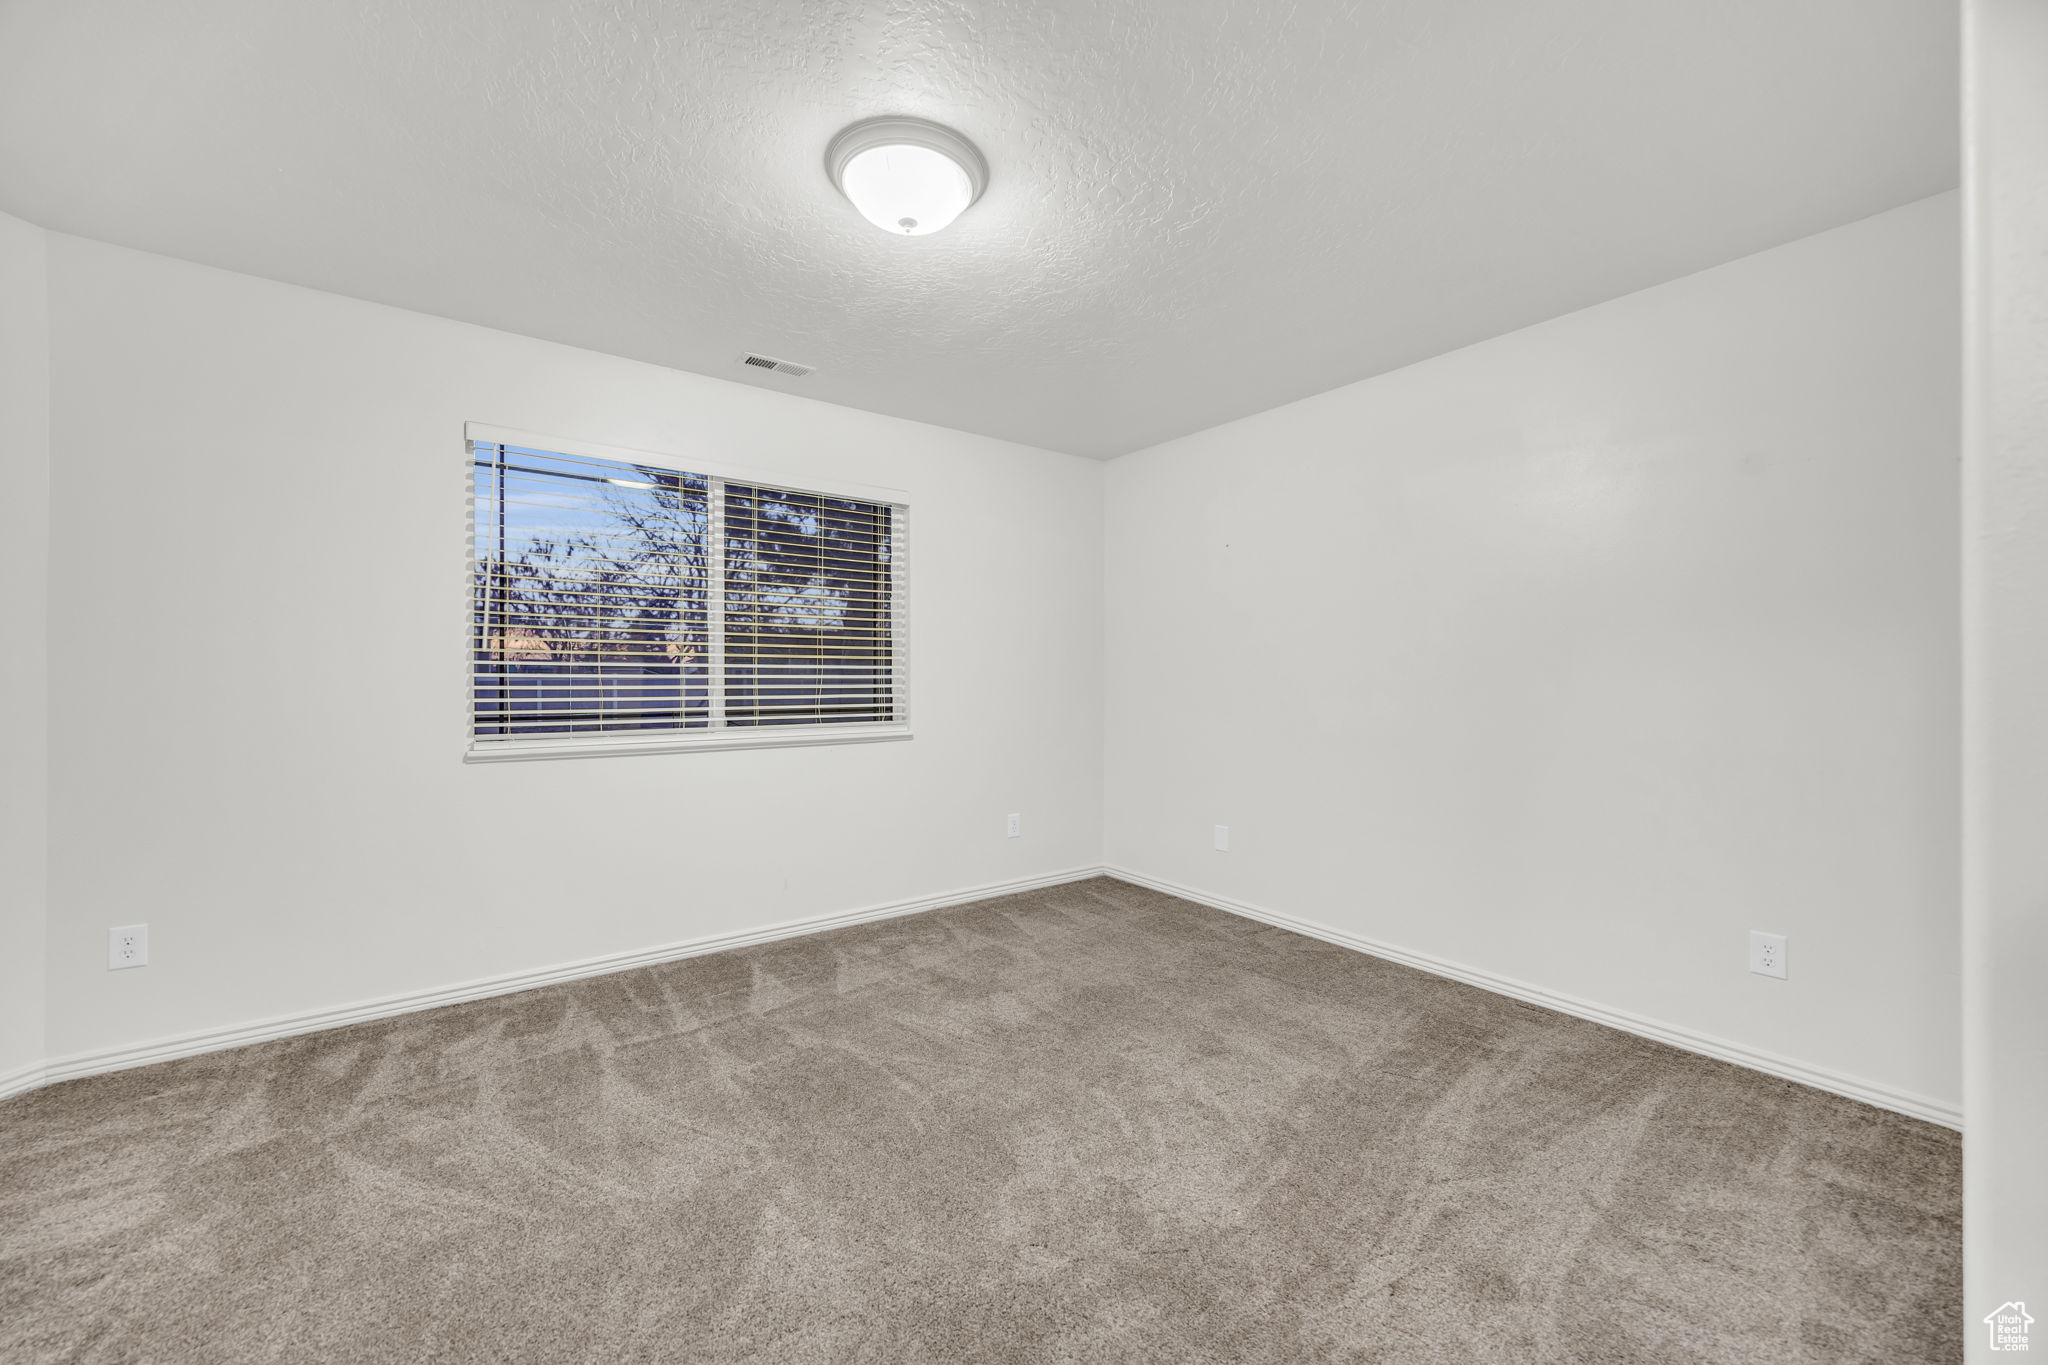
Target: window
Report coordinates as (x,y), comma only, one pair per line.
(621,605)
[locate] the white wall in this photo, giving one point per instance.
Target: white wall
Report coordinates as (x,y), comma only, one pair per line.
(1575,655)
(24,563)
(256,665)
(2005,624)
(1588,648)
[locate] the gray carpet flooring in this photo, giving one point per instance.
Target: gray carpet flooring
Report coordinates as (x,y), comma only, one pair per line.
(1091,1123)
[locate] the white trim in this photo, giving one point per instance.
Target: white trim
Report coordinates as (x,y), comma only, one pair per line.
(672,742)
(22,1078)
(1945,1113)
(29,1077)
(686,464)
(385,1007)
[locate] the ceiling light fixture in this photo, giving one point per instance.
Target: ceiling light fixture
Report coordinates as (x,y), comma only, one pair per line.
(907,176)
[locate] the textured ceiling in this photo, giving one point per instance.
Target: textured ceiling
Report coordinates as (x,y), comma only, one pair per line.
(1199,208)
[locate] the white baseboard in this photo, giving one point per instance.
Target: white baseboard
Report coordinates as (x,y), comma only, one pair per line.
(1820,1078)
(21,1078)
(285,1026)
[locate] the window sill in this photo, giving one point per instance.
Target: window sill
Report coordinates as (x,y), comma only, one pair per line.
(514,750)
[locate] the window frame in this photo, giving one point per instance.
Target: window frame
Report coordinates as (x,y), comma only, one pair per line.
(483,750)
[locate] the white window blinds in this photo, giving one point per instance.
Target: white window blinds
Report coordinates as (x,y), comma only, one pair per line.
(620,605)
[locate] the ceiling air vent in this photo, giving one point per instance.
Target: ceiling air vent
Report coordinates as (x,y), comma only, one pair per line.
(769,362)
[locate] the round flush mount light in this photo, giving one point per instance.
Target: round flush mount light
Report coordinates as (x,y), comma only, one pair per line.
(907,176)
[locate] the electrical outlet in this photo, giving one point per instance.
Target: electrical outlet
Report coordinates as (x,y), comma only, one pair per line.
(1767,954)
(128,946)
(1016,826)
(1223,838)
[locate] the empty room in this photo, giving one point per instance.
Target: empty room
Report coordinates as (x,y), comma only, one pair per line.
(972,681)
